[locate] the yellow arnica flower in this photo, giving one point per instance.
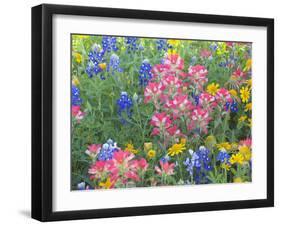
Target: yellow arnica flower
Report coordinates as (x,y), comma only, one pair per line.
(224,145)
(172,52)
(78,57)
(102,66)
(246,152)
(237,180)
(75,81)
(248,107)
(176,149)
(242,118)
(225,166)
(213,88)
(245,94)
(236,158)
(107,184)
(233,92)
(131,148)
(147,146)
(173,42)
(151,154)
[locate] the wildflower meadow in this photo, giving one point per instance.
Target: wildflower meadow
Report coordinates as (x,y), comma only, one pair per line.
(157,112)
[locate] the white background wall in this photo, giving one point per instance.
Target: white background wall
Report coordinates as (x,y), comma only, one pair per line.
(15,85)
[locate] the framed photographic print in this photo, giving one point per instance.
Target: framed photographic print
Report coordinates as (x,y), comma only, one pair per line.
(146,112)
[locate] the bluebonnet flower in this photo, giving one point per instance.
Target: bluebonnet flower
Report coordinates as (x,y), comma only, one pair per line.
(109,44)
(95,61)
(107,150)
(222,64)
(165,159)
(213,46)
(198,164)
(194,161)
(232,106)
(114,64)
(75,97)
(81,186)
(203,154)
(196,98)
(223,156)
(145,73)
(124,104)
(162,44)
(132,44)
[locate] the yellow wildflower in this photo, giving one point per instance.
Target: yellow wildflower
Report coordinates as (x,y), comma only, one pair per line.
(213,88)
(237,180)
(75,81)
(183,141)
(176,149)
(248,65)
(225,166)
(246,152)
(245,94)
(248,107)
(172,52)
(81,36)
(242,118)
(102,66)
(249,83)
(249,122)
(233,92)
(210,141)
(221,48)
(151,154)
(107,184)
(147,146)
(78,57)
(173,42)
(131,148)
(236,158)
(224,145)
(234,146)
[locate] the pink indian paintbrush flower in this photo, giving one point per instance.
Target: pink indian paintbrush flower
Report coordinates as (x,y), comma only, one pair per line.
(152,91)
(198,76)
(165,168)
(239,73)
(205,53)
(175,61)
(223,96)
(247,142)
(93,149)
(161,120)
(200,119)
(77,113)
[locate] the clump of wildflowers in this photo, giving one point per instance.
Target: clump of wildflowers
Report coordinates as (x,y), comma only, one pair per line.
(132,44)
(162,44)
(109,44)
(107,150)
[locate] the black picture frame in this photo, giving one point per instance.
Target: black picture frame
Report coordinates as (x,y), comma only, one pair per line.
(42,107)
